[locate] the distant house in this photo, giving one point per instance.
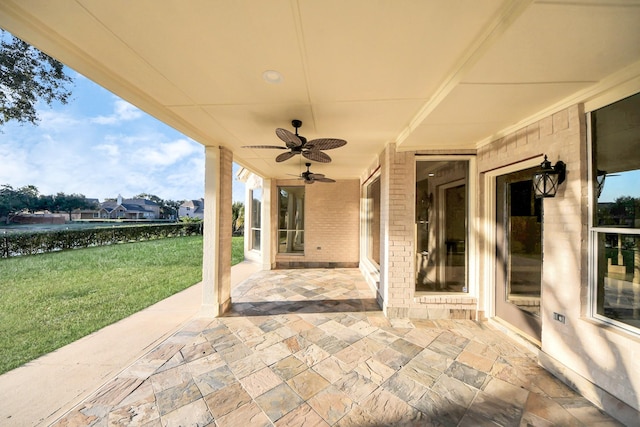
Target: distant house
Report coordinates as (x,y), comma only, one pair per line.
(120,208)
(192,209)
(87,213)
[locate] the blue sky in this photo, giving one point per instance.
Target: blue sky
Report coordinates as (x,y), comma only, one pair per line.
(620,184)
(101,146)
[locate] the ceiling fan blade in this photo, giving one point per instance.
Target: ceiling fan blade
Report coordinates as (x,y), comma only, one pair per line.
(265,146)
(325,143)
(325,180)
(285,156)
(316,176)
(317,156)
(289,138)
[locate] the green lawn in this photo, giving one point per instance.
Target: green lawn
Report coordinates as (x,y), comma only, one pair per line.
(50,300)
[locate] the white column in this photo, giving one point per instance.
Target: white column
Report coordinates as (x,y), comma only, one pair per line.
(266,226)
(216,263)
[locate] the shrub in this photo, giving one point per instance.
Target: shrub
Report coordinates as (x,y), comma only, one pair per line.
(58,240)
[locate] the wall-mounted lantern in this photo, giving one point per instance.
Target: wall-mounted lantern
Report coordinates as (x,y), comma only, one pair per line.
(548,178)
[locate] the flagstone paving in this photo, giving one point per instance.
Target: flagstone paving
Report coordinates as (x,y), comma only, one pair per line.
(312,348)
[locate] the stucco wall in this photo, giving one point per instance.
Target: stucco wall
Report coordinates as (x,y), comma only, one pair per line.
(331,227)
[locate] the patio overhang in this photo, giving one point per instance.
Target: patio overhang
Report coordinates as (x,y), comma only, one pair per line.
(421,74)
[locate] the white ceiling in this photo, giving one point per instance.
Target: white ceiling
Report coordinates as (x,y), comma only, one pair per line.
(426,74)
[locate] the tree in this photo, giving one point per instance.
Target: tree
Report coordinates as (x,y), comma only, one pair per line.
(237,216)
(170,209)
(623,212)
(70,202)
(26,77)
(16,200)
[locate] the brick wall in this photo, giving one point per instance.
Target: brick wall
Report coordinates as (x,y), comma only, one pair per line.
(396,219)
(331,227)
(225,221)
(596,359)
(398,263)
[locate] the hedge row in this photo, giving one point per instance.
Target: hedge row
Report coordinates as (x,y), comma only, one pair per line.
(50,241)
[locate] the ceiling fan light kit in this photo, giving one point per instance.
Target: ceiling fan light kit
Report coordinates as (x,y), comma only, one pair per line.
(298,144)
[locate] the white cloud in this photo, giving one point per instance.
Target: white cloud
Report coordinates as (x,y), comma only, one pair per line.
(55,121)
(122,112)
(111,150)
(166,154)
(71,152)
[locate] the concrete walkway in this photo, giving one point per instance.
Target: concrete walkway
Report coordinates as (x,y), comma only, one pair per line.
(43,390)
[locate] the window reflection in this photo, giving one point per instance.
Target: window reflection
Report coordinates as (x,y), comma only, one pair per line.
(373,221)
(619,278)
(256,207)
(441,226)
(291,219)
(616,210)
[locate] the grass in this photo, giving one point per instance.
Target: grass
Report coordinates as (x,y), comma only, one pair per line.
(237,250)
(50,300)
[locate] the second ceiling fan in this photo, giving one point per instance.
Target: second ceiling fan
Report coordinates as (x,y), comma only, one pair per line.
(298,144)
(310,177)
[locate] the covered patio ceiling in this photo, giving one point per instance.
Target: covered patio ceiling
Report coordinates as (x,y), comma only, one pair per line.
(425,74)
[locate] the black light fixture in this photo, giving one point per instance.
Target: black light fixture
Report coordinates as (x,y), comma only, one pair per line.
(548,178)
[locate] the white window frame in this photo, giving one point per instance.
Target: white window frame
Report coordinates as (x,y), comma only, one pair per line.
(252,229)
(304,219)
(367,223)
(594,231)
(473,222)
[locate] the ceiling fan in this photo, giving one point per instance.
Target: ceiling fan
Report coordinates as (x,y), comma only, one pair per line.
(298,144)
(310,177)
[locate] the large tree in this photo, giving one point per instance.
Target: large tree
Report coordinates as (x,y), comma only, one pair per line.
(16,200)
(26,77)
(70,202)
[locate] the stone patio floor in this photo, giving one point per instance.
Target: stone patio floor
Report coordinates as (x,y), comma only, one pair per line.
(312,348)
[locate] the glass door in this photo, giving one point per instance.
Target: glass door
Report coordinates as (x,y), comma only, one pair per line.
(518,252)
(441,226)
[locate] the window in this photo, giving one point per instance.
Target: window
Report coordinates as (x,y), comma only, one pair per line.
(291,219)
(615,212)
(441,210)
(372,221)
(256,207)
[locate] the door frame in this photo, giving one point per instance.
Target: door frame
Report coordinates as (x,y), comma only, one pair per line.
(488,228)
(473,216)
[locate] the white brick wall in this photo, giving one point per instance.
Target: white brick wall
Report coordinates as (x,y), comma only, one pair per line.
(599,360)
(331,224)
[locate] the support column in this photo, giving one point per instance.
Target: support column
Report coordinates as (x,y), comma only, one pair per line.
(268,258)
(216,263)
(397,210)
